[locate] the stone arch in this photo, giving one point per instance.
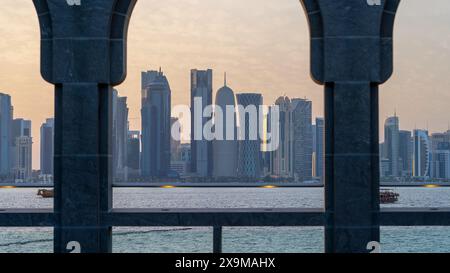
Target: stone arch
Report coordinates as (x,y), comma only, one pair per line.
(323,18)
(62,27)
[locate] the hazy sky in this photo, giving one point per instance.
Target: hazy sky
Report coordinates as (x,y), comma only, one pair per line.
(262,45)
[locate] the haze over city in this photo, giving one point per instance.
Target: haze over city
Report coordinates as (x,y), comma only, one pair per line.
(262,44)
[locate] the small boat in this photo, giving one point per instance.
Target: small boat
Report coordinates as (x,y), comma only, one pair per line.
(46,193)
(388,196)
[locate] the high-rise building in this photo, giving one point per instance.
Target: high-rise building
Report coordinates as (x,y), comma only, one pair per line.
(22,150)
(249,155)
(201,97)
(156,113)
(47,145)
(5,135)
(225,149)
(391,144)
(440,151)
(421,154)
(405,153)
(133,153)
(119,136)
(319,148)
(282,158)
(302,123)
(441,162)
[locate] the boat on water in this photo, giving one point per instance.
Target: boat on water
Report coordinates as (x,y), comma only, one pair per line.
(46,193)
(388,196)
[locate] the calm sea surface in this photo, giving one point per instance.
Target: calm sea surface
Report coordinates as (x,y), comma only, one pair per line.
(261,239)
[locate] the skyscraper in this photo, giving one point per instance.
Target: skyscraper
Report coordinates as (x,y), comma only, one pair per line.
(405,153)
(5,135)
(440,159)
(156,113)
(249,156)
(391,144)
(319,148)
(47,138)
(22,150)
(421,154)
(201,97)
(119,136)
(282,158)
(225,149)
(302,123)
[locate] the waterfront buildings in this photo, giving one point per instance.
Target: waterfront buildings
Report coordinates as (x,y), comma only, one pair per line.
(391,145)
(47,139)
(405,153)
(22,150)
(225,146)
(319,148)
(281,162)
(302,139)
(201,97)
(5,135)
(440,155)
(119,136)
(156,114)
(249,155)
(421,154)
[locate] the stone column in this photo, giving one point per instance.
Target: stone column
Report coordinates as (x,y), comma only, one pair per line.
(351,54)
(83,53)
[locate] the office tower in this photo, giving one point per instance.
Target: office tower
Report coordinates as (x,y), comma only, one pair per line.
(440,151)
(391,144)
(421,154)
(175,142)
(405,153)
(156,113)
(201,97)
(5,135)
(119,136)
(440,159)
(47,138)
(302,146)
(225,148)
(319,148)
(22,150)
(249,153)
(282,158)
(133,153)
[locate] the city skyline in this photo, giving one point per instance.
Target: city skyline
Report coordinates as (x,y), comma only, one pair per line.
(268,52)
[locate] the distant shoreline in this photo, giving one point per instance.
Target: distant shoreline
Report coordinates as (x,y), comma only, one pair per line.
(168,185)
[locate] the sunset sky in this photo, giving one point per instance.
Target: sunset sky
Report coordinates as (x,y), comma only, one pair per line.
(262,45)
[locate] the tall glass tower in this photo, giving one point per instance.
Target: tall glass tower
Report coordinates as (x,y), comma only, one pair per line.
(201,97)
(250,156)
(156,111)
(391,144)
(5,135)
